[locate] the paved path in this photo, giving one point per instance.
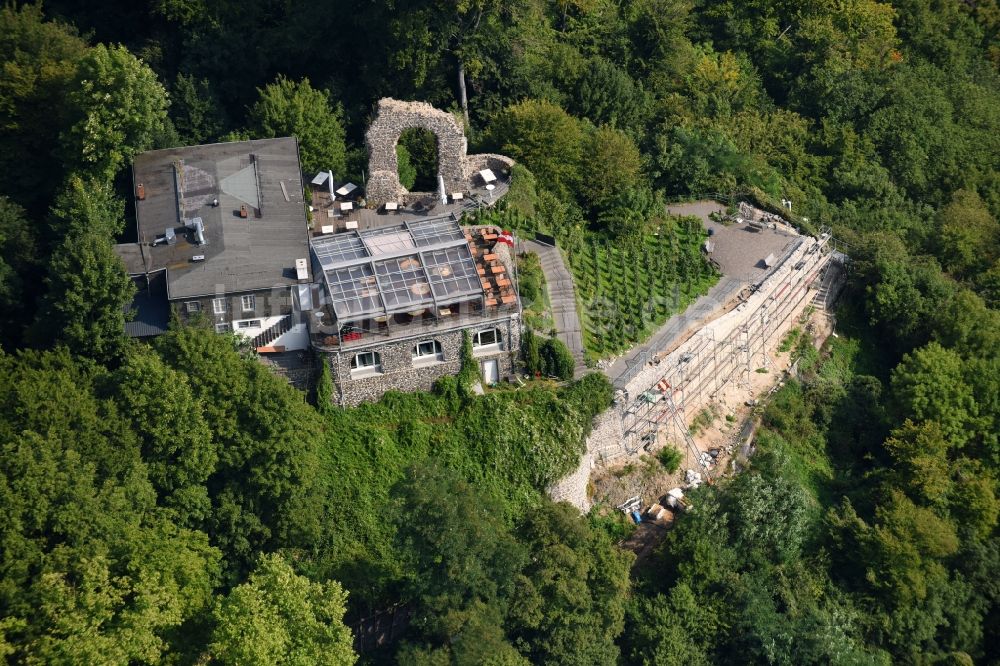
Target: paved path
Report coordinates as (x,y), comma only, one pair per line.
(562,296)
(673,331)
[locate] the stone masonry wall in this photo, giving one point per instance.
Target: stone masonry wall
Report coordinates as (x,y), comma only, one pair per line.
(394,116)
(499,164)
(398,371)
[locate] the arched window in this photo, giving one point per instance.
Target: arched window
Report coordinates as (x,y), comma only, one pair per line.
(366,363)
(428,351)
(487,339)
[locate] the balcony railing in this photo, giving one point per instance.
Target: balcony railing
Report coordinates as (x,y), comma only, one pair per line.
(332,337)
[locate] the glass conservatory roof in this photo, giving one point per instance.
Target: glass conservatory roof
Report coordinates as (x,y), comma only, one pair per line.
(397,269)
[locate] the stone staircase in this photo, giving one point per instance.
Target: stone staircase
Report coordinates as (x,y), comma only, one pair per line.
(272,333)
(829,285)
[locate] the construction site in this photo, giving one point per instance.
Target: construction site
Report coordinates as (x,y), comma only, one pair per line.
(697,389)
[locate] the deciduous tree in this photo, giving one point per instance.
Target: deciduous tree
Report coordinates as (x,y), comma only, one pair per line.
(289,108)
(278,617)
(117,108)
(87,292)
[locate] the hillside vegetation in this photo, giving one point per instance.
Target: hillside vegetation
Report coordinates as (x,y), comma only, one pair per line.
(176,503)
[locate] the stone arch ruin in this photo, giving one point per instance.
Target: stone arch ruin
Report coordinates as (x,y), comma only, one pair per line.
(454,165)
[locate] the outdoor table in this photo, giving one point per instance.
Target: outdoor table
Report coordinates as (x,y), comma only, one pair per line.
(327,228)
(489,257)
(457,196)
(487,175)
(498,269)
(347,205)
(508,299)
(486,284)
(346,189)
(351,224)
(391,205)
(491,302)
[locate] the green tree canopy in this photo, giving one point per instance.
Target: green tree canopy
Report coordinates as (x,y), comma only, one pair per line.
(40,62)
(174,440)
(87,292)
(287,108)
(93,570)
(930,384)
(621,165)
(117,108)
(195,110)
(18,259)
(547,139)
(967,238)
(278,617)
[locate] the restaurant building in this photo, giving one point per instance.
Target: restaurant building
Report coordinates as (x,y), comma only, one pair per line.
(399,298)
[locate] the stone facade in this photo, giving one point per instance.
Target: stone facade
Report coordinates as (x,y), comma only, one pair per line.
(500,164)
(395,116)
(400,372)
(572,488)
(454,165)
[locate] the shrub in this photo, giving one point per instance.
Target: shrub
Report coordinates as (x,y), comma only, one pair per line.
(469,374)
(531,352)
(324,387)
(557,359)
(591,395)
(529,277)
(670,457)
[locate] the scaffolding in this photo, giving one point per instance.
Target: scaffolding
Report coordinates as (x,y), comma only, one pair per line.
(708,365)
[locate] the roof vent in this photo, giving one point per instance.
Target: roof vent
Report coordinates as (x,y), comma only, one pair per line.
(198,226)
(301,269)
(140,191)
(170,236)
(198,257)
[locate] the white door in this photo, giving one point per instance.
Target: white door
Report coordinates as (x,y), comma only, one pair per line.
(491,372)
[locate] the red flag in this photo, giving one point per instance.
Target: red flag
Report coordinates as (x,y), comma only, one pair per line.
(506,237)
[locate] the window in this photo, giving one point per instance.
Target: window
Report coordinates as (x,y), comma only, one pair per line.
(487,338)
(366,363)
(219,305)
(223,328)
(193,306)
(249,323)
(249,302)
(427,352)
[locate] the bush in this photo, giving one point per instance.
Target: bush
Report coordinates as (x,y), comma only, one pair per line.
(670,457)
(557,359)
(531,352)
(529,277)
(469,374)
(324,387)
(591,395)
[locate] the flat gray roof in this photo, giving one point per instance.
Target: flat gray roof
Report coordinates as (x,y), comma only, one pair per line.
(240,253)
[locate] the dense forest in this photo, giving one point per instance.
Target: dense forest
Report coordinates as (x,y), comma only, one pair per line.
(177,503)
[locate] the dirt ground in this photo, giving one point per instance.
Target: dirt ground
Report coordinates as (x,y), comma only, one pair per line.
(721,426)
